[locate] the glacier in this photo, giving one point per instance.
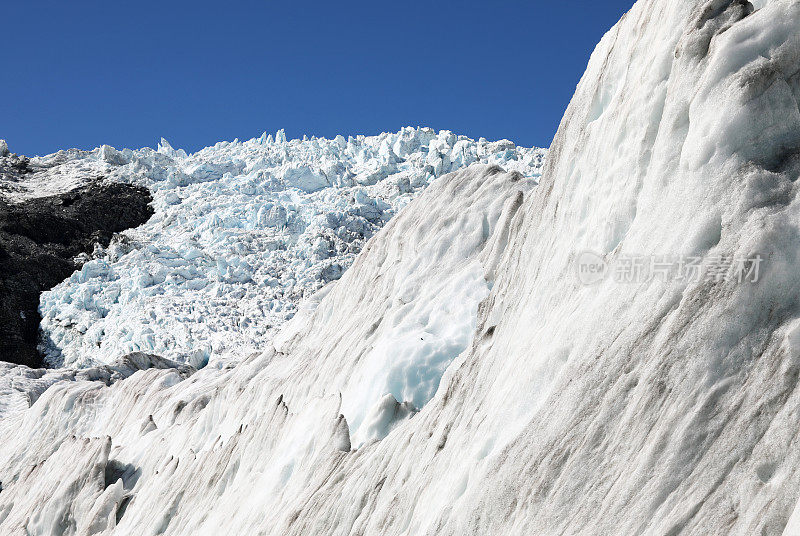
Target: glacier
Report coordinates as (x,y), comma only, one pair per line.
(661,406)
(243,232)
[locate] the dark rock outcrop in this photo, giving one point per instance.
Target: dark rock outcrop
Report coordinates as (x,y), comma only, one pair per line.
(13,167)
(39,240)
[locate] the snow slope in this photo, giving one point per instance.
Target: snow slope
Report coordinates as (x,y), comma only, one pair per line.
(242,232)
(660,406)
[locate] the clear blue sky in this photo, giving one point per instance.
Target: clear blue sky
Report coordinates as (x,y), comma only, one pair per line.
(79,74)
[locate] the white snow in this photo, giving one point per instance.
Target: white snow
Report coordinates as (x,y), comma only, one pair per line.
(660,406)
(243,231)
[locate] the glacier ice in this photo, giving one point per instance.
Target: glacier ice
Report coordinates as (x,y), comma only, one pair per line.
(663,406)
(243,231)
(422,276)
